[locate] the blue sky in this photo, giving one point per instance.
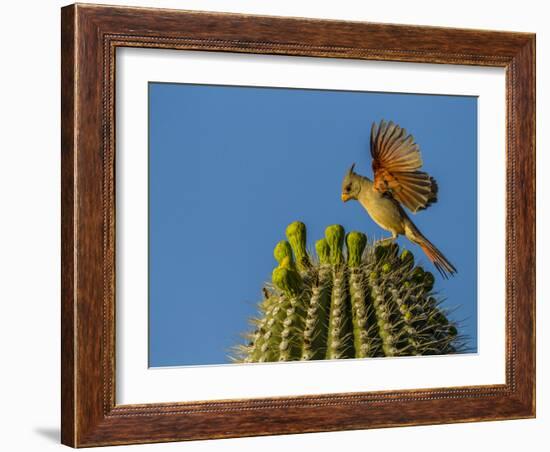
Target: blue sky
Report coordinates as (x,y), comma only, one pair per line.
(230,167)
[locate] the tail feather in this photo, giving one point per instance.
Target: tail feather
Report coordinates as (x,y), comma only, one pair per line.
(441,263)
(444,267)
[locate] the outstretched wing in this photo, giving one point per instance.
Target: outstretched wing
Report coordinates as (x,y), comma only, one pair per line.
(395,161)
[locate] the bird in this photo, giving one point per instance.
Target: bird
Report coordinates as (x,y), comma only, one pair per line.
(397,184)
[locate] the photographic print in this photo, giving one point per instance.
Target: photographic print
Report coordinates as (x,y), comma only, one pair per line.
(302,224)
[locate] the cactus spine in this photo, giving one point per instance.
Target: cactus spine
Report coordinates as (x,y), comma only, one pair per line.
(364,300)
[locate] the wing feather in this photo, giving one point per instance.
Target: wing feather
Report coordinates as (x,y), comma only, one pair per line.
(396,161)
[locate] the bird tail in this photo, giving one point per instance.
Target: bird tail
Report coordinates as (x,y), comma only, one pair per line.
(444,267)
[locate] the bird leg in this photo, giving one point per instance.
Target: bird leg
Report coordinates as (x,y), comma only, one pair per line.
(388,239)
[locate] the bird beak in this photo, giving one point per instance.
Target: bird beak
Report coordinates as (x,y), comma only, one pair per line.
(345,197)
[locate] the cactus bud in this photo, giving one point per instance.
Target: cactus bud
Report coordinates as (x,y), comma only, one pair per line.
(335,239)
(438,318)
(287,279)
(418,274)
(323,251)
(429,281)
(287,263)
(282,250)
(356,243)
(407,258)
(386,251)
(296,235)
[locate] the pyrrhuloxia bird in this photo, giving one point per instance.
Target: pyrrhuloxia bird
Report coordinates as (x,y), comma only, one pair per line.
(397,181)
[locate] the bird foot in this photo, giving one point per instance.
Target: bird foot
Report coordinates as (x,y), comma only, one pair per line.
(386,241)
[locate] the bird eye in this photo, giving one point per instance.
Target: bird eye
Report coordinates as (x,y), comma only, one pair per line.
(347,187)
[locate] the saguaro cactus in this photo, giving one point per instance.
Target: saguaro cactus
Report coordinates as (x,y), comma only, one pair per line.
(364,300)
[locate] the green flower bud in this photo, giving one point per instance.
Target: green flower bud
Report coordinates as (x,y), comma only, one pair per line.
(288,280)
(429,281)
(407,258)
(323,251)
(385,251)
(418,275)
(282,250)
(335,239)
(296,235)
(356,243)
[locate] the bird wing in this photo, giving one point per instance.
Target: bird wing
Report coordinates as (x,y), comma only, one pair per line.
(395,163)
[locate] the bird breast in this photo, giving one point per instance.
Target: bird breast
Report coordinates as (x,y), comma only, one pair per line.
(383,210)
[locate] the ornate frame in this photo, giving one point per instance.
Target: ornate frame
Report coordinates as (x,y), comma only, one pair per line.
(90,35)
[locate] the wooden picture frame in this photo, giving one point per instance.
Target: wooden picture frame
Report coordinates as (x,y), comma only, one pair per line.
(90,36)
